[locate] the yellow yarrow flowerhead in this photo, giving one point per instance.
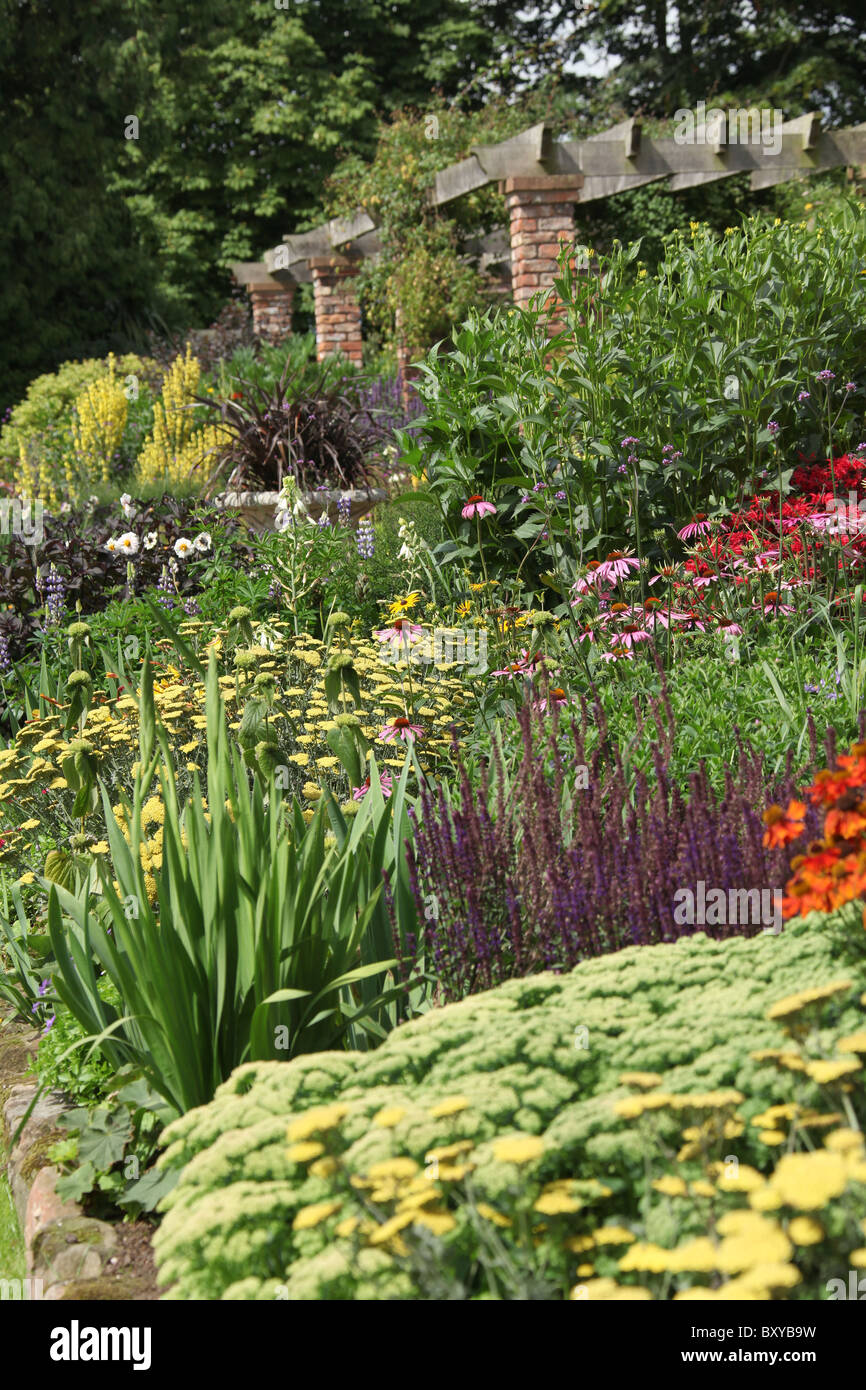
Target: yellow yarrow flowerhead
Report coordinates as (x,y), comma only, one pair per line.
(557,1204)
(794,1004)
(808,1181)
(646,1258)
(316,1121)
(609,1291)
(855,1042)
(611,1235)
(314,1215)
(389,1116)
(491,1214)
(519,1148)
(394,1168)
(845,1141)
(451,1105)
(671,1186)
(305,1152)
(644,1079)
(832,1069)
(805,1230)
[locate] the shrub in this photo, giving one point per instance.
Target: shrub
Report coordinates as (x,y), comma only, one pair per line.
(541,1056)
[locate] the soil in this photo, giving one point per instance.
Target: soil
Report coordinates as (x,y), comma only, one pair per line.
(129,1276)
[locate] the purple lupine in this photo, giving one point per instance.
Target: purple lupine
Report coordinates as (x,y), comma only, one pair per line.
(5,658)
(55,594)
(364,539)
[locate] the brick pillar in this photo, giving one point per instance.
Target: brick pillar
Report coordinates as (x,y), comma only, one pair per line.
(541,215)
(338,313)
(272,311)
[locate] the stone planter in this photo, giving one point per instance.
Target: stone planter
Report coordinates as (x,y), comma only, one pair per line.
(258,509)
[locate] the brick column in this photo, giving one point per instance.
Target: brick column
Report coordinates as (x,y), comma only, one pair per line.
(338,313)
(272,311)
(541,216)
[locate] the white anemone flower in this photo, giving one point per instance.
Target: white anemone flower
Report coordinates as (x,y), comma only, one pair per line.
(111,545)
(150,540)
(128,543)
(126,505)
(203,542)
(183,548)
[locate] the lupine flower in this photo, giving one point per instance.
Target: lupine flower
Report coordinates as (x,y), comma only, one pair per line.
(402,729)
(385,780)
(699,527)
(476,506)
(5,658)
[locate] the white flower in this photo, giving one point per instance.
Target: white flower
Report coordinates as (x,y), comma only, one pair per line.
(203,542)
(126,504)
(128,543)
(183,547)
(111,545)
(150,540)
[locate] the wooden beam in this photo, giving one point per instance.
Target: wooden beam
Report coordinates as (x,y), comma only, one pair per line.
(524,155)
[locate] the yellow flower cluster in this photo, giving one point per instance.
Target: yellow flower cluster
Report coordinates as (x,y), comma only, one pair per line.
(97,430)
(175,448)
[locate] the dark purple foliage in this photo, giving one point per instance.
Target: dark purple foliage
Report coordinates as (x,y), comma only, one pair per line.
(545,874)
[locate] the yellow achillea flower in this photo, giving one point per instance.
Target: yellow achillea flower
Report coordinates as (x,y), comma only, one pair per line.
(793,1004)
(671,1186)
(608,1291)
(391,1227)
(702,1188)
(699,1254)
(646,1257)
(826,1071)
(519,1148)
(395,1168)
(845,1141)
(439,1222)
(314,1215)
(389,1116)
(305,1151)
(347,1226)
(491,1214)
(808,1181)
(451,1105)
(316,1121)
(644,1079)
(557,1204)
(446,1151)
(635,1106)
(611,1235)
(744,1179)
(324,1167)
(855,1042)
(805,1230)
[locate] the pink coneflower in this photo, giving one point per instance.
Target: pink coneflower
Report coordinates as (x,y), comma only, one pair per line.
(476,506)
(616,566)
(772,604)
(385,781)
(699,527)
(693,618)
(401,728)
(630,633)
(728,628)
(401,633)
(554,699)
(526,664)
(618,654)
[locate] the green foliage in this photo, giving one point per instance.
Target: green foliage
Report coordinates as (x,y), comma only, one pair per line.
(541,1055)
(248,939)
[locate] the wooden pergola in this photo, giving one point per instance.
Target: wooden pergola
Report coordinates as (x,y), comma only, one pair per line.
(544,181)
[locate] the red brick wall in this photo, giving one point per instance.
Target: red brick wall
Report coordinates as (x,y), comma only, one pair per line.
(272,312)
(338,313)
(541,216)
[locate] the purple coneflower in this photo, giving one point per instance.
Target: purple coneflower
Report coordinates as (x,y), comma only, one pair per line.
(476,506)
(385,782)
(401,633)
(616,566)
(699,527)
(401,728)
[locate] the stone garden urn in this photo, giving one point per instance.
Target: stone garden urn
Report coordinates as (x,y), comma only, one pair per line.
(258,510)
